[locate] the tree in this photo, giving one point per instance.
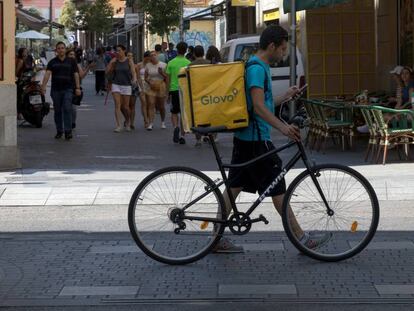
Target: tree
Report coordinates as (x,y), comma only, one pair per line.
(99,16)
(163,15)
(68,15)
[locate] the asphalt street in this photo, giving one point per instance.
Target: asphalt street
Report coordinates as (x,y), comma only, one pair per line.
(66,246)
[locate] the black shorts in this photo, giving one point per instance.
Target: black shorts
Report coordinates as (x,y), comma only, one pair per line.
(261,174)
(175,102)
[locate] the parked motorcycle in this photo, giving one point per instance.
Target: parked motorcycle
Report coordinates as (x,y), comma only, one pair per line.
(31,100)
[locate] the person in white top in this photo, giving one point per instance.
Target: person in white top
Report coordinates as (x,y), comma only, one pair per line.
(156,94)
(143,87)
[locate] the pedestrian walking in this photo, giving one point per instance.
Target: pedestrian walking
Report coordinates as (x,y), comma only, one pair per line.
(199,60)
(171,52)
(190,54)
(65,78)
(99,67)
(156,94)
(76,100)
(213,55)
(135,92)
(78,52)
(144,87)
(160,54)
(122,76)
(21,61)
(173,69)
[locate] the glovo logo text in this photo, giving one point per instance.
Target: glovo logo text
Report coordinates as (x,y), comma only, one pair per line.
(222,99)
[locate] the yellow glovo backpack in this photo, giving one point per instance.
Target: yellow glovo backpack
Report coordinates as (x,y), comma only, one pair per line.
(213,95)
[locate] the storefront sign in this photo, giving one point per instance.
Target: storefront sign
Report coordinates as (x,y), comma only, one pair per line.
(271,15)
(243,2)
(1,42)
(196,3)
(309,4)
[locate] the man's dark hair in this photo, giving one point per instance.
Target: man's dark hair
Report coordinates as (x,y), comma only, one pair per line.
(158,48)
(199,51)
(170,45)
(108,48)
(59,43)
(147,54)
(182,48)
(122,47)
(273,34)
(75,42)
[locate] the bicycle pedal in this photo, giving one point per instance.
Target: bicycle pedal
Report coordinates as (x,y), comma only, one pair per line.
(262,218)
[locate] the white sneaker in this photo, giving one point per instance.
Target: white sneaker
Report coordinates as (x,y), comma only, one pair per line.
(118,130)
(149,128)
(128,129)
(163,126)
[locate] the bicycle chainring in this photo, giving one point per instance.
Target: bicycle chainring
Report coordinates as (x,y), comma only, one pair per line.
(240,224)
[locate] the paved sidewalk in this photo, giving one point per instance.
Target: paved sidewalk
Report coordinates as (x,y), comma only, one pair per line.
(72,268)
(80,187)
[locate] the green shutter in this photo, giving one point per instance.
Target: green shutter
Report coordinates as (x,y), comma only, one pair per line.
(309,4)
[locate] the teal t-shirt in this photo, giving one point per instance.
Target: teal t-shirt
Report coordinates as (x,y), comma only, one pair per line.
(256,77)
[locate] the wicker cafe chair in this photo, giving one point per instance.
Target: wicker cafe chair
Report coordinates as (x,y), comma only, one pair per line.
(393,128)
(333,119)
(374,134)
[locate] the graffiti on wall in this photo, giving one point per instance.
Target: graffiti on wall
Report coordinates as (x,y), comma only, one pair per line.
(200,33)
(195,37)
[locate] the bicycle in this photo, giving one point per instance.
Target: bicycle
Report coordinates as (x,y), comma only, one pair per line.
(181,214)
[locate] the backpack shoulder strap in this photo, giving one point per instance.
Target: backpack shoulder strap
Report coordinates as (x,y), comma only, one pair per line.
(256,63)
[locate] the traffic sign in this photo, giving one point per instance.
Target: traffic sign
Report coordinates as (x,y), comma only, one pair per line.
(132,19)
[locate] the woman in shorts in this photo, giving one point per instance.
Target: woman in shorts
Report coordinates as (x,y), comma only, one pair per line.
(156,93)
(121,71)
(143,86)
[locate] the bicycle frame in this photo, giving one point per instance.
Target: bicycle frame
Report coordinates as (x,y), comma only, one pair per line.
(301,154)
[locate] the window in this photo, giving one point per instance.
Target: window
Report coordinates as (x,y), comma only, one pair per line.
(283,63)
(245,51)
(225,54)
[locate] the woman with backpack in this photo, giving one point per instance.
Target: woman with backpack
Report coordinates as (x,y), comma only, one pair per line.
(122,74)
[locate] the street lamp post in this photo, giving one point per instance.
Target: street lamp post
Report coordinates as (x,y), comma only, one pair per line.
(50,22)
(292,53)
(181,20)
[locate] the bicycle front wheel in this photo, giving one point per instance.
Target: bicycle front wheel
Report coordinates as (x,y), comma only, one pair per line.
(157,218)
(338,233)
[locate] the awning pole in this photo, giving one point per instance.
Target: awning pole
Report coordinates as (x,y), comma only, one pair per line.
(292,53)
(50,22)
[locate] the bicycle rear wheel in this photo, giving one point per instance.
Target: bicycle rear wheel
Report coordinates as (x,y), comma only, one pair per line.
(158,203)
(348,230)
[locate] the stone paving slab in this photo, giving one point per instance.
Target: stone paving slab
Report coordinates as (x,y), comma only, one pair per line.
(59,268)
(99,290)
(268,289)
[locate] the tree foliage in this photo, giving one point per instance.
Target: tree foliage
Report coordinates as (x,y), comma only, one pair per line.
(163,15)
(68,15)
(96,16)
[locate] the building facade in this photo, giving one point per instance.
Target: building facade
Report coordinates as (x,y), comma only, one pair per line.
(9,153)
(43,6)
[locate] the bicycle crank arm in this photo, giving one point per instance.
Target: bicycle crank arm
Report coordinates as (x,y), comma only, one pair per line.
(260,219)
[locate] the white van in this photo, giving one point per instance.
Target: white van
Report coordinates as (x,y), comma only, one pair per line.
(241,49)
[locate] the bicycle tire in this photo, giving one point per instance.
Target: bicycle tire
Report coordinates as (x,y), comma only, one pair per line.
(135,231)
(311,209)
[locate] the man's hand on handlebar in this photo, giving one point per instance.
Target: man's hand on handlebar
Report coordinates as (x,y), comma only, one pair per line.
(291,131)
(292,91)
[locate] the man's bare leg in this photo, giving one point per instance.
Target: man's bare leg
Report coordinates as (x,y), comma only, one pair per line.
(278,203)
